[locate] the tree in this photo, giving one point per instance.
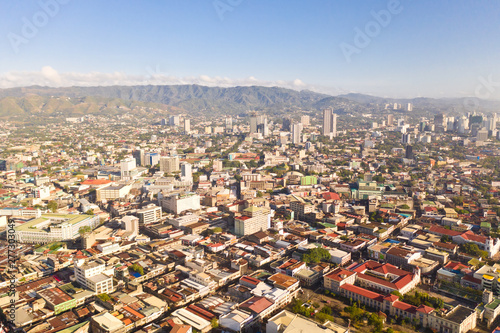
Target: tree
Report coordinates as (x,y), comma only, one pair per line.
(217,230)
(104,297)
(83,230)
(52,206)
(316,255)
(446,239)
(138,269)
(376,322)
(90,212)
(214,322)
(405,206)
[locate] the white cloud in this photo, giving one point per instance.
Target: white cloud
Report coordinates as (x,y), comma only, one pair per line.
(48,76)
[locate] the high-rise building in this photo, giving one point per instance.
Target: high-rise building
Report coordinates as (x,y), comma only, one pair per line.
(390,119)
(409,152)
(296,133)
(229,123)
(329,123)
(186,172)
(127,165)
(151,159)
(406,138)
(258,124)
(169,164)
(305,120)
(482,135)
(493,122)
(187,126)
(410,107)
(254,219)
(140,157)
(287,124)
(174,121)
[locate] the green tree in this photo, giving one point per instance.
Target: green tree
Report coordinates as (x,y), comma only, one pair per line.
(52,206)
(316,255)
(138,269)
(214,322)
(83,230)
(90,212)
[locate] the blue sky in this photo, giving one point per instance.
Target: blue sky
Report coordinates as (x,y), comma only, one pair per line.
(429,48)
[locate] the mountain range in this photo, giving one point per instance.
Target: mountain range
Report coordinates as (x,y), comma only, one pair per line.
(196,99)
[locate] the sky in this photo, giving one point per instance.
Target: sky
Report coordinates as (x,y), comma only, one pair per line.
(394,48)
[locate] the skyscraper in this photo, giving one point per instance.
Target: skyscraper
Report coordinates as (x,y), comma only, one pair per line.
(169,164)
(329,123)
(187,126)
(406,138)
(186,172)
(390,119)
(305,120)
(296,133)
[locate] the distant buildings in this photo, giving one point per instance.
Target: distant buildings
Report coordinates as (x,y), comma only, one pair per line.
(329,123)
(296,133)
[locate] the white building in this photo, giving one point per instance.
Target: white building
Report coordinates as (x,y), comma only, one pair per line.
(178,203)
(92,276)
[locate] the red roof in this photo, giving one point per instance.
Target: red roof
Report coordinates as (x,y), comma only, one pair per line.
(362,292)
(96,182)
(330,196)
(338,274)
(256,304)
(444,231)
(469,235)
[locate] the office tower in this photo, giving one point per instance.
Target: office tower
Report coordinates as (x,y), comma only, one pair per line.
(229,123)
(409,152)
(265,127)
(305,120)
(186,172)
(169,164)
(152,159)
(401,122)
(482,134)
(390,119)
(140,157)
(421,126)
(406,138)
(126,166)
(187,126)
(493,122)
(410,107)
(253,125)
(258,124)
(296,133)
(174,121)
(439,123)
(163,122)
(329,123)
(287,124)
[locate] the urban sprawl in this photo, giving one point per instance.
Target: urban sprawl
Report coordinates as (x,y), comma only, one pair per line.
(308,222)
